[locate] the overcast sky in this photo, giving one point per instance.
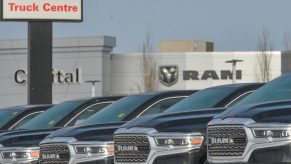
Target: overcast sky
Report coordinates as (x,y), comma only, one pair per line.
(233,25)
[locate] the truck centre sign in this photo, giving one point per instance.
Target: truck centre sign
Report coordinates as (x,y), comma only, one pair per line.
(52,10)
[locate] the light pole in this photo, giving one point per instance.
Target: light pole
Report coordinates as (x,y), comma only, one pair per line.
(93,87)
(233,61)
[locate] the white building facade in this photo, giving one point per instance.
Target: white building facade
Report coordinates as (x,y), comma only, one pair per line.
(77,60)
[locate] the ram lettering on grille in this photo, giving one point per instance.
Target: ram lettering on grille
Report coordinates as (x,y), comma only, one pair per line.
(131,148)
(58,153)
(226,141)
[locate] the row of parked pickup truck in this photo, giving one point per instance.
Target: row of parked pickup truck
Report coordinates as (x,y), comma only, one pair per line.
(236,123)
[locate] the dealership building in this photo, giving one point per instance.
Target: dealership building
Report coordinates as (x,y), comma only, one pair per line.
(77,60)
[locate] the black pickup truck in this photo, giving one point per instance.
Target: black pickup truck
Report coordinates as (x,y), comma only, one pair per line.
(175,138)
(94,143)
(84,143)
(21,144)
(259,133)
(181,138)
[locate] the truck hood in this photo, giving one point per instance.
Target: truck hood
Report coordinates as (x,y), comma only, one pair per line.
(275,112)
(97,132)
(24,138)
(177,122)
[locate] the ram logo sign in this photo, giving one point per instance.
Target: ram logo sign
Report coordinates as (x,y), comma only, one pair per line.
(211,75)
(168,75)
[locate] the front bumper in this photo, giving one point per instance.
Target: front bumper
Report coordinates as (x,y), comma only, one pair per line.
(280,154)
(109,160)
(163,154)
(83,159)
(192,156)
(9,155)
(76,158)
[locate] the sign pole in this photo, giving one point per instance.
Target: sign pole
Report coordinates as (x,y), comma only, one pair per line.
(40,62)
(233,62)
(93,86)
(40,15)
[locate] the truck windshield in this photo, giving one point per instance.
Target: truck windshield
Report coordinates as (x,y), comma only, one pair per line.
(8,114)
(278,89)
(207,98)
(118,110)
(52,116)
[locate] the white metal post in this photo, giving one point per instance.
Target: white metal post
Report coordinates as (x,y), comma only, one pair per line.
(233,72)
(93,86)
(93,89)
(233,61)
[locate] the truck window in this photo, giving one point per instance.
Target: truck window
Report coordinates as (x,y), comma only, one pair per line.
(161,106)
(278,89)
(8,114)
(53,115)
(24,120)
(203,99)
(88,112)
(118,111)
(238,99)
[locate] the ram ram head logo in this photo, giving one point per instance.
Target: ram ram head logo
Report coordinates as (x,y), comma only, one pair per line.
(168,75)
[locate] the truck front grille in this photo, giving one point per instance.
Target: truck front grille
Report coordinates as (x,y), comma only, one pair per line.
(54,153)
(226,141)
(131,148)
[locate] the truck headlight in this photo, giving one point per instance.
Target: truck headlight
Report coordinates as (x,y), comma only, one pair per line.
(272,133)
(21,154)
(89,150)
(179,139)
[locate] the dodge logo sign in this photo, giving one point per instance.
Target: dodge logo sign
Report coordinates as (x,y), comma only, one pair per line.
(217,141)
(127,148)
(168,75)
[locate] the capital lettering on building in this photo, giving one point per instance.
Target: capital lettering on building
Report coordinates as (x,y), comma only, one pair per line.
(42,10)
(59,77)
